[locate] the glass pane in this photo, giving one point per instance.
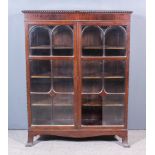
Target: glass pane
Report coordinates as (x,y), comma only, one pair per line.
(40,99)
(113,100)
(113,109)
(92,68)
(91,110)
(107,78)
(63,110)
(103,110)
(40,84)
(91,100)
(114,76)
(115,41)
(91,85)
(62,76)
(62,41)
(114,68)
(40,68)
(41,115)
(39,41)
(62,68)
(91,115)
(114,85)
(63,85)
(39,36)
(41,109)
(92,41)
(113,115)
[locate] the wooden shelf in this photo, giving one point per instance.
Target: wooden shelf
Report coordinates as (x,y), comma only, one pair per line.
(91,119)
(40,47)
(56,105)
(39,93)
(93,47)
(52,77)
(102,105)
(103,58)
(42,105)
(91,105)
(63,47)
(85,77)
(92,77)
(105,77)
(40,76)
(113,105)
(50,57)
(114,77)
(107,47)
(63,105)
(62,77)
(114,48)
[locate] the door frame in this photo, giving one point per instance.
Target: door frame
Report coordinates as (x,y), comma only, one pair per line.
(126,58)
(28,24)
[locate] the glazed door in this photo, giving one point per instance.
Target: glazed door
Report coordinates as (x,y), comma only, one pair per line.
(52,59)
(102,63)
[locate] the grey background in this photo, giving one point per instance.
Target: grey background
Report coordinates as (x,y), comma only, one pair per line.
(17,76)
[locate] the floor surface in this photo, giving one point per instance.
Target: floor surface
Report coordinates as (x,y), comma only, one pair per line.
(62,146)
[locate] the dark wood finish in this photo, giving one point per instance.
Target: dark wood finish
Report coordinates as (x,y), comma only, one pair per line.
(94,98)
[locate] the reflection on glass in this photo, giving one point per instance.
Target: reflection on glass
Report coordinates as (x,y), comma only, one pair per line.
(41,115)
(63,109)
(41,109)
(113,100)
(40,99)
(112,115)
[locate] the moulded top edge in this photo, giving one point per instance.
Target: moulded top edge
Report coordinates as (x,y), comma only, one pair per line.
(77,11)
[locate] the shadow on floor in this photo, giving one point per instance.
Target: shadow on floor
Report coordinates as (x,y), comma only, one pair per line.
(98,138)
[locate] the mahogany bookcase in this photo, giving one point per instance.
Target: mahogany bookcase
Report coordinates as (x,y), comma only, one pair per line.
(77,67)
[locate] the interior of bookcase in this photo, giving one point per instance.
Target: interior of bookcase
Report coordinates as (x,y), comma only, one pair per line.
(51,88)
(103,81)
